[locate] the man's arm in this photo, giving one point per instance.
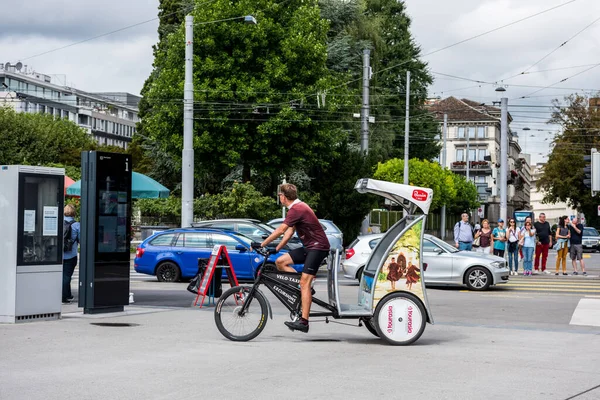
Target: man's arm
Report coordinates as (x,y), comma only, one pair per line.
(286,237)
(278,232)
(456,233)
(575,228)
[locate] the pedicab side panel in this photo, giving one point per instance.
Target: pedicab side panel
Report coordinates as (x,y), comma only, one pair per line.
(395,265)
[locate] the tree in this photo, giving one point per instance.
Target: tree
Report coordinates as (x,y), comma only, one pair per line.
(448,188)
(40,139)
(562,179)
(254,86)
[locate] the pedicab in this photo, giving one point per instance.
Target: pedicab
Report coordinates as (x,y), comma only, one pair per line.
(392,299)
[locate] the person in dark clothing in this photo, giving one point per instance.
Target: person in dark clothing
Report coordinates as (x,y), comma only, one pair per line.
(70,256)
(544,236)
(301,219)
(576,249)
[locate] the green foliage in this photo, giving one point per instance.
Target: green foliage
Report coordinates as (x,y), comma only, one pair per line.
(448,188)
(239,201)
(562,179)
(40,139)
(339,201)
(251,88)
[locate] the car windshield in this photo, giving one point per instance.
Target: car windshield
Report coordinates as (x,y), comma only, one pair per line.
(590,232)
(266,227)
(443,244)
(247,241)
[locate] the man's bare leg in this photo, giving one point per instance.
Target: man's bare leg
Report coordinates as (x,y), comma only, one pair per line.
(284,263)
(305,290)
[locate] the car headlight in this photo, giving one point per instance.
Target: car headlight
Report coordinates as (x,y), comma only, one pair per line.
(498,264)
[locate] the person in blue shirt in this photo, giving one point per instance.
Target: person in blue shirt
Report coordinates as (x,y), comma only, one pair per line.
(499,234)
(70,257)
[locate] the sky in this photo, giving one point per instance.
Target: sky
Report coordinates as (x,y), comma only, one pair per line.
(123,60)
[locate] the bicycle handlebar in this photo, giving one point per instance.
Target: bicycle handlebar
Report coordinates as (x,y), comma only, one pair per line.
(265,251)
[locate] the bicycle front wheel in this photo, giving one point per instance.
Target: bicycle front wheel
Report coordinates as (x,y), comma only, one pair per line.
(238,326)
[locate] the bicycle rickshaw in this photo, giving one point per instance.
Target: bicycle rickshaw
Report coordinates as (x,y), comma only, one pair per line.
(396,315)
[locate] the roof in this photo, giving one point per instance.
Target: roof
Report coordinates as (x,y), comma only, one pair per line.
(459,110)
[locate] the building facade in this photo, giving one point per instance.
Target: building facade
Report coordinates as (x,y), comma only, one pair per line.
(553,211)
(109,117)
(473,149)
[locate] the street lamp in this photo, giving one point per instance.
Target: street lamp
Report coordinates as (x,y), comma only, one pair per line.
(187,155)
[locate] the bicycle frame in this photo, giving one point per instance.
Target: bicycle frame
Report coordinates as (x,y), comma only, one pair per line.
(285,287)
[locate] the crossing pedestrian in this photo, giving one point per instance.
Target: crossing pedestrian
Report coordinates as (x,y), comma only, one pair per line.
(513,246)
(544,241)
(576,250)
(528,238)
(562,247)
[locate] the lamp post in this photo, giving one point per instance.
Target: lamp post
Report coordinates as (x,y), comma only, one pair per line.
(187,155)
(503,153)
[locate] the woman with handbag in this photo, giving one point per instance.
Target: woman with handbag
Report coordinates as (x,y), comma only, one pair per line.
(486,240)
(527,236)
(513,247)
(562,246)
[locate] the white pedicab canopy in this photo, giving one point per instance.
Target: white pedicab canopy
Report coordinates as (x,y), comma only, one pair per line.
(408,197)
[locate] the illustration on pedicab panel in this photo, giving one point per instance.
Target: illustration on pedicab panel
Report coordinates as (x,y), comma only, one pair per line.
(396,270)
(412,275)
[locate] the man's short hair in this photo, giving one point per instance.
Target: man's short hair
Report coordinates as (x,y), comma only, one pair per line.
(289,191)
(69,211)
(542,214)
(463,214)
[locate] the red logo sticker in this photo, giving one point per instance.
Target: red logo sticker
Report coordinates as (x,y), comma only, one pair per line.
(419,195)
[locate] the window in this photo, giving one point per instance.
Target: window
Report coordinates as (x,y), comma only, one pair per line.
(163,240)
(460,155)
(228,241)
(373,243)
(481,132)
(249,230)
(471,130)
(481,154)
(479,179)
(461,132)
(194,239)
(472,154)
(430,247)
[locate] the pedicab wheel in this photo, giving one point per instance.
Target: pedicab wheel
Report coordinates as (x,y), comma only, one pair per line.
(370,325)
(241,327)
(400,318)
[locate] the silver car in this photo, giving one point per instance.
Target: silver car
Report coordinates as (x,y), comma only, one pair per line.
(446,265)
(334,234)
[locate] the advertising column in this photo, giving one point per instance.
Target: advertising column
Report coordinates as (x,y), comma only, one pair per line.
(106,230)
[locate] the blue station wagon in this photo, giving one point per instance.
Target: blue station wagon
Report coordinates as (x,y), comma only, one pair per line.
(173,255)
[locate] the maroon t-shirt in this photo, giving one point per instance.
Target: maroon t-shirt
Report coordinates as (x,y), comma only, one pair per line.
(308,227)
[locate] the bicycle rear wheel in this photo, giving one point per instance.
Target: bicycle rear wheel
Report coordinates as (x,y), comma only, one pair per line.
(241,327)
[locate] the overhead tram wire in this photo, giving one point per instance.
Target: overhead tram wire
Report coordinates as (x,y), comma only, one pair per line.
(551,52)
(458,43)
(559,82)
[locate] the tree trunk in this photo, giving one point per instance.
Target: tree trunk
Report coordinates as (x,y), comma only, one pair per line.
(246,173)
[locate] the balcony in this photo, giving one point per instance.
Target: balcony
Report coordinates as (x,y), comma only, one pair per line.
(473,166)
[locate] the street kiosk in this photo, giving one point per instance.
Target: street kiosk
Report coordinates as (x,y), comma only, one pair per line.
(105,232)
(31,215)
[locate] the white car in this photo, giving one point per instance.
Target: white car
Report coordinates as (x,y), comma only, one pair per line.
(446,265)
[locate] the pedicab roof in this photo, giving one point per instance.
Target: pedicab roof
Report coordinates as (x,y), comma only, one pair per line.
(407,196)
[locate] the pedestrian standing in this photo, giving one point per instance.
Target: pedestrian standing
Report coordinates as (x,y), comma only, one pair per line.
(486,240)
(499,235)
(528,238)
(576,250)
(544,242)
(463,233)
(71,230)
(562,247)
(513,247)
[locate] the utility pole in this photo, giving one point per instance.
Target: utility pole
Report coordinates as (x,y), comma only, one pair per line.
(364,111)
(503,155)
(468,161)
(406,126)
(187,156)
(444,136)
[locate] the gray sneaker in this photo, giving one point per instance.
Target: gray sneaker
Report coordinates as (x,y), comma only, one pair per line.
(575,273)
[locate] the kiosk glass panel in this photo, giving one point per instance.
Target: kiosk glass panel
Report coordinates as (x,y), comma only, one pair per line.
(40,225)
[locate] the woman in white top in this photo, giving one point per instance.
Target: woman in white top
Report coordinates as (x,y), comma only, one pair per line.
(513,246)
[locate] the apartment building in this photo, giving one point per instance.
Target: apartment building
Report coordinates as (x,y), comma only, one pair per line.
(473,150)
(109,117)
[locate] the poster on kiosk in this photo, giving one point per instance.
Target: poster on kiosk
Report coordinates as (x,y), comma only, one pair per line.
(105,232)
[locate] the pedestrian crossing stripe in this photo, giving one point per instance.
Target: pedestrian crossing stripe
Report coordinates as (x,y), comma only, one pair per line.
(556,289)
(574,284)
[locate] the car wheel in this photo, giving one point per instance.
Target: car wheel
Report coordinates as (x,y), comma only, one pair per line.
(168,272)
(359,273)
(478,278)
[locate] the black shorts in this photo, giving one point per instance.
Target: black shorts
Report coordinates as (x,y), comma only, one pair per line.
(310,258)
